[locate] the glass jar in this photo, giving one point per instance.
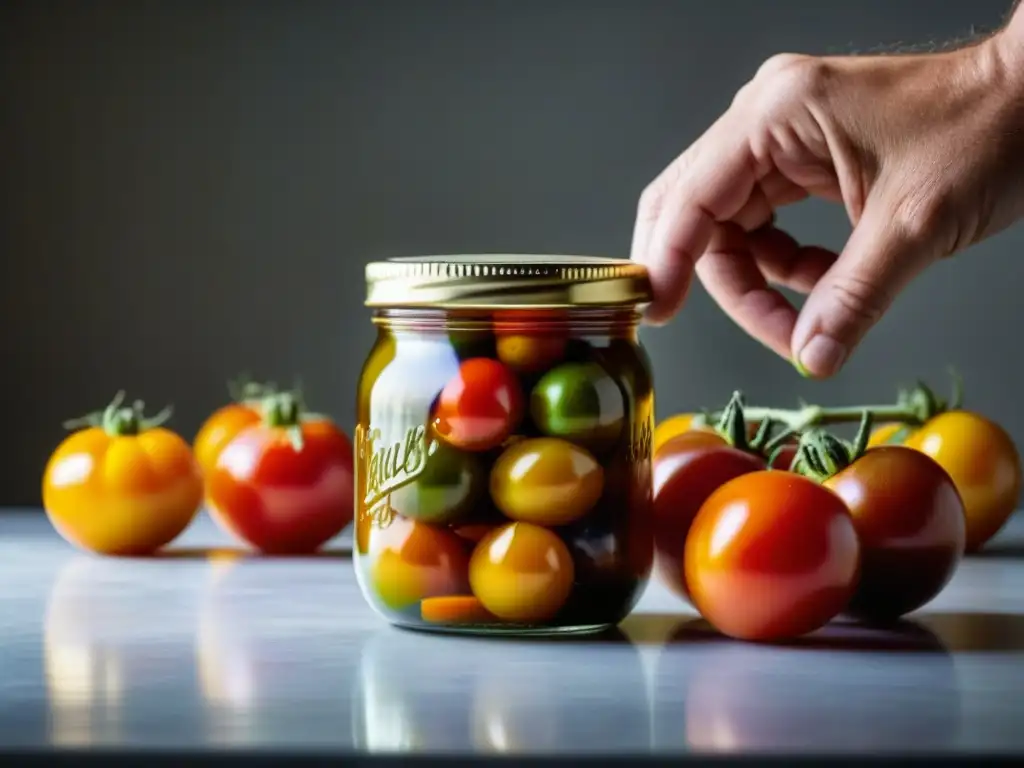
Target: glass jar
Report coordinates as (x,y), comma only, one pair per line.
(503,444)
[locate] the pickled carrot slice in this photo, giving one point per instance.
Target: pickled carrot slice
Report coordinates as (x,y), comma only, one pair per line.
(455,609)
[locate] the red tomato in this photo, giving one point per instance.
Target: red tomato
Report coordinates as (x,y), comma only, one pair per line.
(910,520)
(687,470)
(771,555)
(284,486)
(478,409)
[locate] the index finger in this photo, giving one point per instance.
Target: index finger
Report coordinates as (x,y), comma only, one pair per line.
(709,183)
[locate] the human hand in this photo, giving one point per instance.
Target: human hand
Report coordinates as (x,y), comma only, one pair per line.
(926,153)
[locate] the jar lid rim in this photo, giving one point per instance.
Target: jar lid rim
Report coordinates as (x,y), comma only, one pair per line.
(496,280)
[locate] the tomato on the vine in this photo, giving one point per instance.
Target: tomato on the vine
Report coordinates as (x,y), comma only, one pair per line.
(687,470)
(122,484)
(285,484)
(227,421)
(984,464)
(685,423)
(480,407)
(910,521)
(771,555)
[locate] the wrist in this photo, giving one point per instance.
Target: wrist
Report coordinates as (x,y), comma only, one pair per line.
(1007,51)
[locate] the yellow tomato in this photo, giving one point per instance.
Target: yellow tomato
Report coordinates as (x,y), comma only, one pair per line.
(984,464)
(122,485)
(885,433)
(522,572)
(672,427)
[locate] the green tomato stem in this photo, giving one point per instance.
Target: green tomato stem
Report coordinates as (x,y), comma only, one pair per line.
(119,420)
(809,416)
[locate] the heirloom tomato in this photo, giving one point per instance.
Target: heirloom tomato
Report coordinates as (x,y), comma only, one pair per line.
(123,484)
(910,521)
(770,556)
(580,402)
(687,470)
(984,464)
(284,485)
(227,421)
(480,407)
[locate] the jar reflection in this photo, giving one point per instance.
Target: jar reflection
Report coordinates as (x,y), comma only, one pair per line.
(272,670)
(426,693)
(111,662)
(845,688)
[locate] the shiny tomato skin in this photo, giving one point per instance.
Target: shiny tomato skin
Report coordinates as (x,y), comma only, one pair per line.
(280,499)
(893,433)
(910,520)
(687,470)
(480,407)
(220,429)
(122,495)
(771,556)
(984,464)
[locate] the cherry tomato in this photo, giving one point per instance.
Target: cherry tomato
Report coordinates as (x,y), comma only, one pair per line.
(910,520)
(674,426)
(771,555)
(227,421)
(521,572)
(527,341)
(687,470)
(123,485)
(445,490)
(220,429)
(284,485)
(580,402)
(984,464)
(412,561)
(546,481)
(480,407)
(886,434)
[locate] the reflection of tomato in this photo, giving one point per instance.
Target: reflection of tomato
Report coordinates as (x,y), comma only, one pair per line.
(411,561)
(546,481)
(480,407)
(910,520)
(220,428)
(521,572)
(771,555)
(122,487)
(687,470)
(985,466)
(284,486)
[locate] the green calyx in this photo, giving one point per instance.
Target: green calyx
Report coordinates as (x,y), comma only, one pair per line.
(246,390)
(732,426)
(121,420)
(285,410)
(820,454)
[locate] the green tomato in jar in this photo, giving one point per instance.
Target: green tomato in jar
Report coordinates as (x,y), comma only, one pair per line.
(445,491)
(579,402)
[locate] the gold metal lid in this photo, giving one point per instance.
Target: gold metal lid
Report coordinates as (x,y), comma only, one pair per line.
(485,281)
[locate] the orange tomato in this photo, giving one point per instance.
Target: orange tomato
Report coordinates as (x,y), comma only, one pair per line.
(122,484)
(770,556)
(984,464)
(673,427)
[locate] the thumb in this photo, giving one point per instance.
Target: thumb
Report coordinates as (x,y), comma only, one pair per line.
(890,245)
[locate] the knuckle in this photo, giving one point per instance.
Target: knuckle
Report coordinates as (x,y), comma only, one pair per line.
(789,76)
(918,219)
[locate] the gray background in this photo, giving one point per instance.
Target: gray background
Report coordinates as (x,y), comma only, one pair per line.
(191,189)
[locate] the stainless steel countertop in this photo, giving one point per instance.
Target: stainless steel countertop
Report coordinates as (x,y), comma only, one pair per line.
(206,649)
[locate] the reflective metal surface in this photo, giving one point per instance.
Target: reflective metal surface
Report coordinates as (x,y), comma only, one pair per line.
(207,649)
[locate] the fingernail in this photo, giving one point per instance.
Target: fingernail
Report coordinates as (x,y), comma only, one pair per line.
(821,356)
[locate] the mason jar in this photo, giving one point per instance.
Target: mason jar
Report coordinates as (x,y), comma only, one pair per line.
(503,444)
